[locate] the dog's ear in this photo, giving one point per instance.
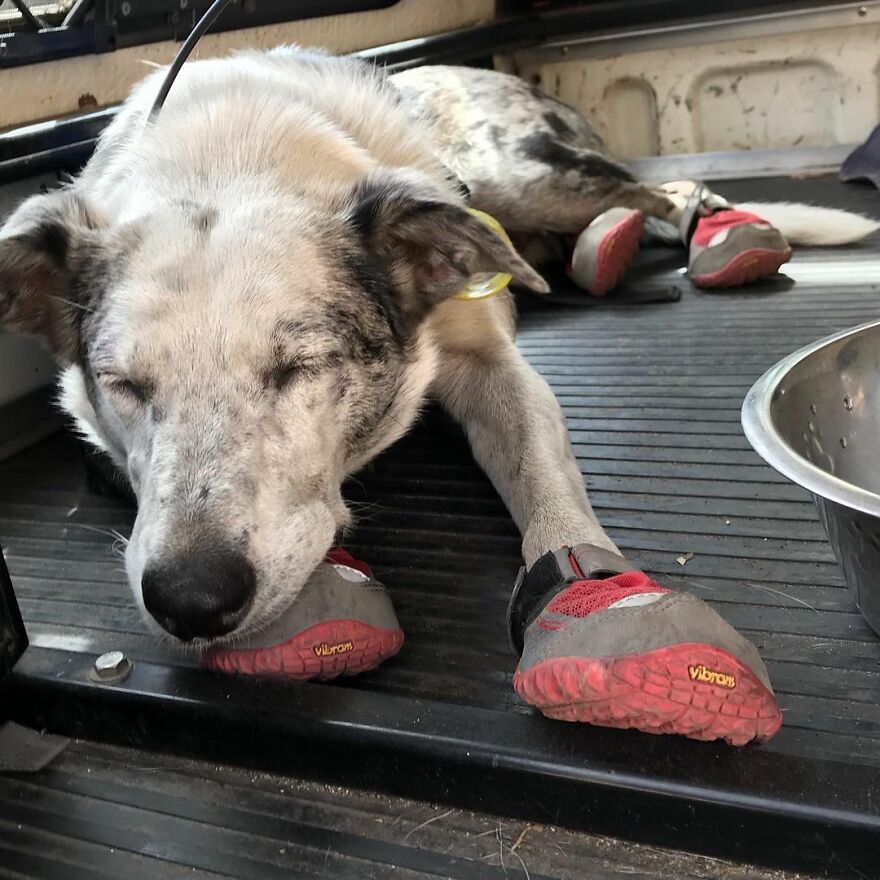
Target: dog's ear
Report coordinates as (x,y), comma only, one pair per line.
(44,248)
(429,247)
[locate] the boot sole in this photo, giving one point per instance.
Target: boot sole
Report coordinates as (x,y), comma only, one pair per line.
(615,252)
(692,689)
(745,267)
(325,651)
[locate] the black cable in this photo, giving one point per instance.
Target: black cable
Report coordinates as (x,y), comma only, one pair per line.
(77,13)
(36,23)
(202,25)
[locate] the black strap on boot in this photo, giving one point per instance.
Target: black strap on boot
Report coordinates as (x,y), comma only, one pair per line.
(701,203)
(554,572)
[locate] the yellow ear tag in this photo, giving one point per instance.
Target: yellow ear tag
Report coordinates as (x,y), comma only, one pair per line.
(486,284)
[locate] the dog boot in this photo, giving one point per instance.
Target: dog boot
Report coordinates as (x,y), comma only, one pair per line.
(726,247)
(604,250)
(602,643)
(341,623)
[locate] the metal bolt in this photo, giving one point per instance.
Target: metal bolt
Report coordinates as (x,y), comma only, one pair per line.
(184,4)
(863,10)
(125,8)
(564,50)
(111,667)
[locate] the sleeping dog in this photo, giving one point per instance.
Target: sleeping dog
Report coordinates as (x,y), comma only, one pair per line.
(251,297)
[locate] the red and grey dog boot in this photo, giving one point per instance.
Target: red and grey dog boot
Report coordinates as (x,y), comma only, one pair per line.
(600,642)
(604,250)
(726,247)
(341,623)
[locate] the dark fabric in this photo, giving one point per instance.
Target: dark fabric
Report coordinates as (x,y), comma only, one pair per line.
(549,576)
(533,590)
(863,163)
(634,290)
(25,751)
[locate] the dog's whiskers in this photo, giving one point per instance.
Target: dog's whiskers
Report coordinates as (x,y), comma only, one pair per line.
(366,511)
(117,536)
(70,302)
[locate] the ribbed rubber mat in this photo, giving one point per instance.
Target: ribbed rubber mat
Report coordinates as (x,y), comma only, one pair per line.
(652,396)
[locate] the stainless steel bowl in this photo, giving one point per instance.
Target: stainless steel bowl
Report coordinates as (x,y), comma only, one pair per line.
(815,417)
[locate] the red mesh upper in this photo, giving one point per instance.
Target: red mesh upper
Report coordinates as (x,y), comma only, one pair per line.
(714,223)
(585,597)
(339,556)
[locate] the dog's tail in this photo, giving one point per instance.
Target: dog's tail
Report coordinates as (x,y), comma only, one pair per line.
(811,225)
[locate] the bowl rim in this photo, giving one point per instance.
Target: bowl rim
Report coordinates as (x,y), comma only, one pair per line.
(761,433)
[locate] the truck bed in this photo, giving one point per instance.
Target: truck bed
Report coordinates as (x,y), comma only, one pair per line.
(652,394)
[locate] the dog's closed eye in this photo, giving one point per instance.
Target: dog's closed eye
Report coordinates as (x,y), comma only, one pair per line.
(286,372)
(283,375)
(122,386)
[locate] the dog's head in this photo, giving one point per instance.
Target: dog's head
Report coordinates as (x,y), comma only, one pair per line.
(238,359)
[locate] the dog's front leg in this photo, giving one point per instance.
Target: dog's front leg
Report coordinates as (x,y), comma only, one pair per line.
(518,435)
(599,640)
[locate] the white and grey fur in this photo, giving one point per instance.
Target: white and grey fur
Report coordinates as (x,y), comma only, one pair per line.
(251,297)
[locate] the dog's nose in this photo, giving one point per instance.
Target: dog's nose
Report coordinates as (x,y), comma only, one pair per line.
(206,593)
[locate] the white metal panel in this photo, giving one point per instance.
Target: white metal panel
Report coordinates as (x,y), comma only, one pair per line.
(771,82)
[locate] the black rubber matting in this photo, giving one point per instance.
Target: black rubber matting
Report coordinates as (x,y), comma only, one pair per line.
(652,396)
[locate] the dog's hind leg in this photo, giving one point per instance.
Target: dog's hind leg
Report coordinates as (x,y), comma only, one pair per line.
(599,640)
(541,169)
(559,188)
(593,206)
(530,160)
